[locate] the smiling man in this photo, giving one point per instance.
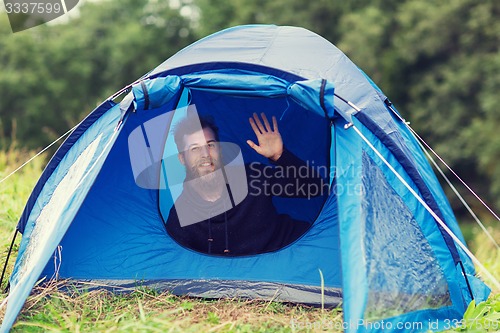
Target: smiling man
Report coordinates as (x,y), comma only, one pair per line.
(205,217)
(201,158)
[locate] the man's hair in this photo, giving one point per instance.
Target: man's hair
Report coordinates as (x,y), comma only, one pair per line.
(189,125)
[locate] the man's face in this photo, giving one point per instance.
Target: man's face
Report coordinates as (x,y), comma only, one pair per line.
(201,155)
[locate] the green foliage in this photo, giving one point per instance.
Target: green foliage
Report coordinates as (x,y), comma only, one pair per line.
(483,317)
(319,16)
(54,75)
(213,318)
(188,306)
(14,192)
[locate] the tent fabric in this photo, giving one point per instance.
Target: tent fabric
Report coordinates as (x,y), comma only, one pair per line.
(270,47)
(386,243)
(59,200)
(56,159)
(237,83)
(98,212)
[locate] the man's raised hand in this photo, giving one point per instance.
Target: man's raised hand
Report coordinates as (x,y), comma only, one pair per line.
(269,138)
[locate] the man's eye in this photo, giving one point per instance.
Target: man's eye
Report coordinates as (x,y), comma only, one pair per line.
(195,148)
(211,145)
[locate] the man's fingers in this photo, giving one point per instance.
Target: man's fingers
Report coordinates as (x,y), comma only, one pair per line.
(263,128)
(254,127)
(275,124)
(253,145)
(266,122)
(258,123)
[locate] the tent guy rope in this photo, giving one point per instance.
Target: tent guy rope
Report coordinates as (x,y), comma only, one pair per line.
(434,215)
(444,163)
(462,200)
(38,154)
(426,148)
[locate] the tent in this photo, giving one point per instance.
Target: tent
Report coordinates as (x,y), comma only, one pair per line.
(383,241)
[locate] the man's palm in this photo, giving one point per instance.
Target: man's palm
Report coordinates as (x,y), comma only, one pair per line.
(269,138)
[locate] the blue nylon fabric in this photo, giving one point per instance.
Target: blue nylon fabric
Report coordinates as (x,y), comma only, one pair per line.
(166,198)
(29,264)
(159,92)
(427,174)
(354,270)
(403,141)
(228,66)
(137,246)
(424,168)
(56,159)
(395,144)
(308,93)
(354,284)
(271,46)
(480,290)
(237,83)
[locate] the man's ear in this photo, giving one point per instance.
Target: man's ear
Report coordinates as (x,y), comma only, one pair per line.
(181,158)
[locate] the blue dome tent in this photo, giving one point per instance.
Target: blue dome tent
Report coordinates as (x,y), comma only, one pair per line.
(383,241)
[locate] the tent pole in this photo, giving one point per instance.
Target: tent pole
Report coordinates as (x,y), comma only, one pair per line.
(7,259)
(466,279)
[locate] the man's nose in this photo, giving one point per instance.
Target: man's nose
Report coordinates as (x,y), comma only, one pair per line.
(205,151)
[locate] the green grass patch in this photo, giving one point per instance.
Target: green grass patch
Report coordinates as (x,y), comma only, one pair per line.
(49,309)
(15,190)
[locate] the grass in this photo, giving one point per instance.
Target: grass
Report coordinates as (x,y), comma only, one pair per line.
(144,310)
(148,311)
(14,193)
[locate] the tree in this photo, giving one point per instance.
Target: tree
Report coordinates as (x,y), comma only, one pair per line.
(439,63)
(320,16)
(53,75)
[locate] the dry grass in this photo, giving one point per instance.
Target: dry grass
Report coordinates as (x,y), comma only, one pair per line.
(145,310)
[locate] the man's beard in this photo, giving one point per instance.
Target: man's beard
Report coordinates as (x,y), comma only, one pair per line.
(206,182)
